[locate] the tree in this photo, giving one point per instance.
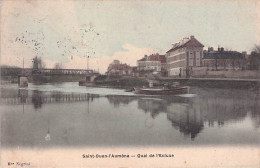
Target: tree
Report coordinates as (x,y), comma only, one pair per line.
(256,49)
(58,66)
(254,61)
(37,63)
(254,58)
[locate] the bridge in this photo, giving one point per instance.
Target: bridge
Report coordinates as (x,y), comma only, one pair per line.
(6,71)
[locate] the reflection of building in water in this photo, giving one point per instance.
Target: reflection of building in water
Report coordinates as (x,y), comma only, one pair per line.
(185,119)
(159,104)
(153,106)
(190,118)
(117,100)
(218,111)
(212,110)
(219,106)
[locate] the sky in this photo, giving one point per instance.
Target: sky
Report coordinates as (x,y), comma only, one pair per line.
(66,32)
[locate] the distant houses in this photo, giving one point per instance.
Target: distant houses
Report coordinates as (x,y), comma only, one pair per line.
(155,63)
(116,68)
(185,58)
(224,60)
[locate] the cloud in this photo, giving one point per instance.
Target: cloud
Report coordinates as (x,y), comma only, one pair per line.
(129,56)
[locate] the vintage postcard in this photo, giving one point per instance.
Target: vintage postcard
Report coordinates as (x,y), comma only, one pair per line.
(91,83)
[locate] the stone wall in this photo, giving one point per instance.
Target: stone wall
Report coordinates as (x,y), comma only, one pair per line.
(226,74)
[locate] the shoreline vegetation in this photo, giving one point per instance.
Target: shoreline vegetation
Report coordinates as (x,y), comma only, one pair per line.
(130,82)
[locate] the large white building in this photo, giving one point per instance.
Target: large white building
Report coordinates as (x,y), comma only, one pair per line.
(154,62)
(184,56)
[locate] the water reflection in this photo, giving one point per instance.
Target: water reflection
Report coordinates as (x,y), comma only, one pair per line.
(85,119)
(23,95)
(116,101)
(189,115)
(152,106)
(185,119)
(37,99)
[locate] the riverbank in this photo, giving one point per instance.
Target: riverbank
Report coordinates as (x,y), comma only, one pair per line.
(130,82)
(123,83)
(230,83)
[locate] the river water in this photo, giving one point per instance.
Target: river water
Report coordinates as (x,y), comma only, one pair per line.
(68,115)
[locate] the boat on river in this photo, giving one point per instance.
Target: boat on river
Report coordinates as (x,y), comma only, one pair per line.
(163,90)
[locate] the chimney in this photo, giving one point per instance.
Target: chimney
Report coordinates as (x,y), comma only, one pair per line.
(222,49)
(192,37)
(210,49)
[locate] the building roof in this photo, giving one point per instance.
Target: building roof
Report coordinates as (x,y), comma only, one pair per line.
(143,59)
(119,66)
(186,42)
(154,57)
(222,55)
(160,58)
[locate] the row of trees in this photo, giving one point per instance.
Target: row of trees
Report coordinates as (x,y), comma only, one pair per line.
(37,64)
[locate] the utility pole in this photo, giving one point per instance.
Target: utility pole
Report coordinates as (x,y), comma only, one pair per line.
(23,67)
(88,63)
